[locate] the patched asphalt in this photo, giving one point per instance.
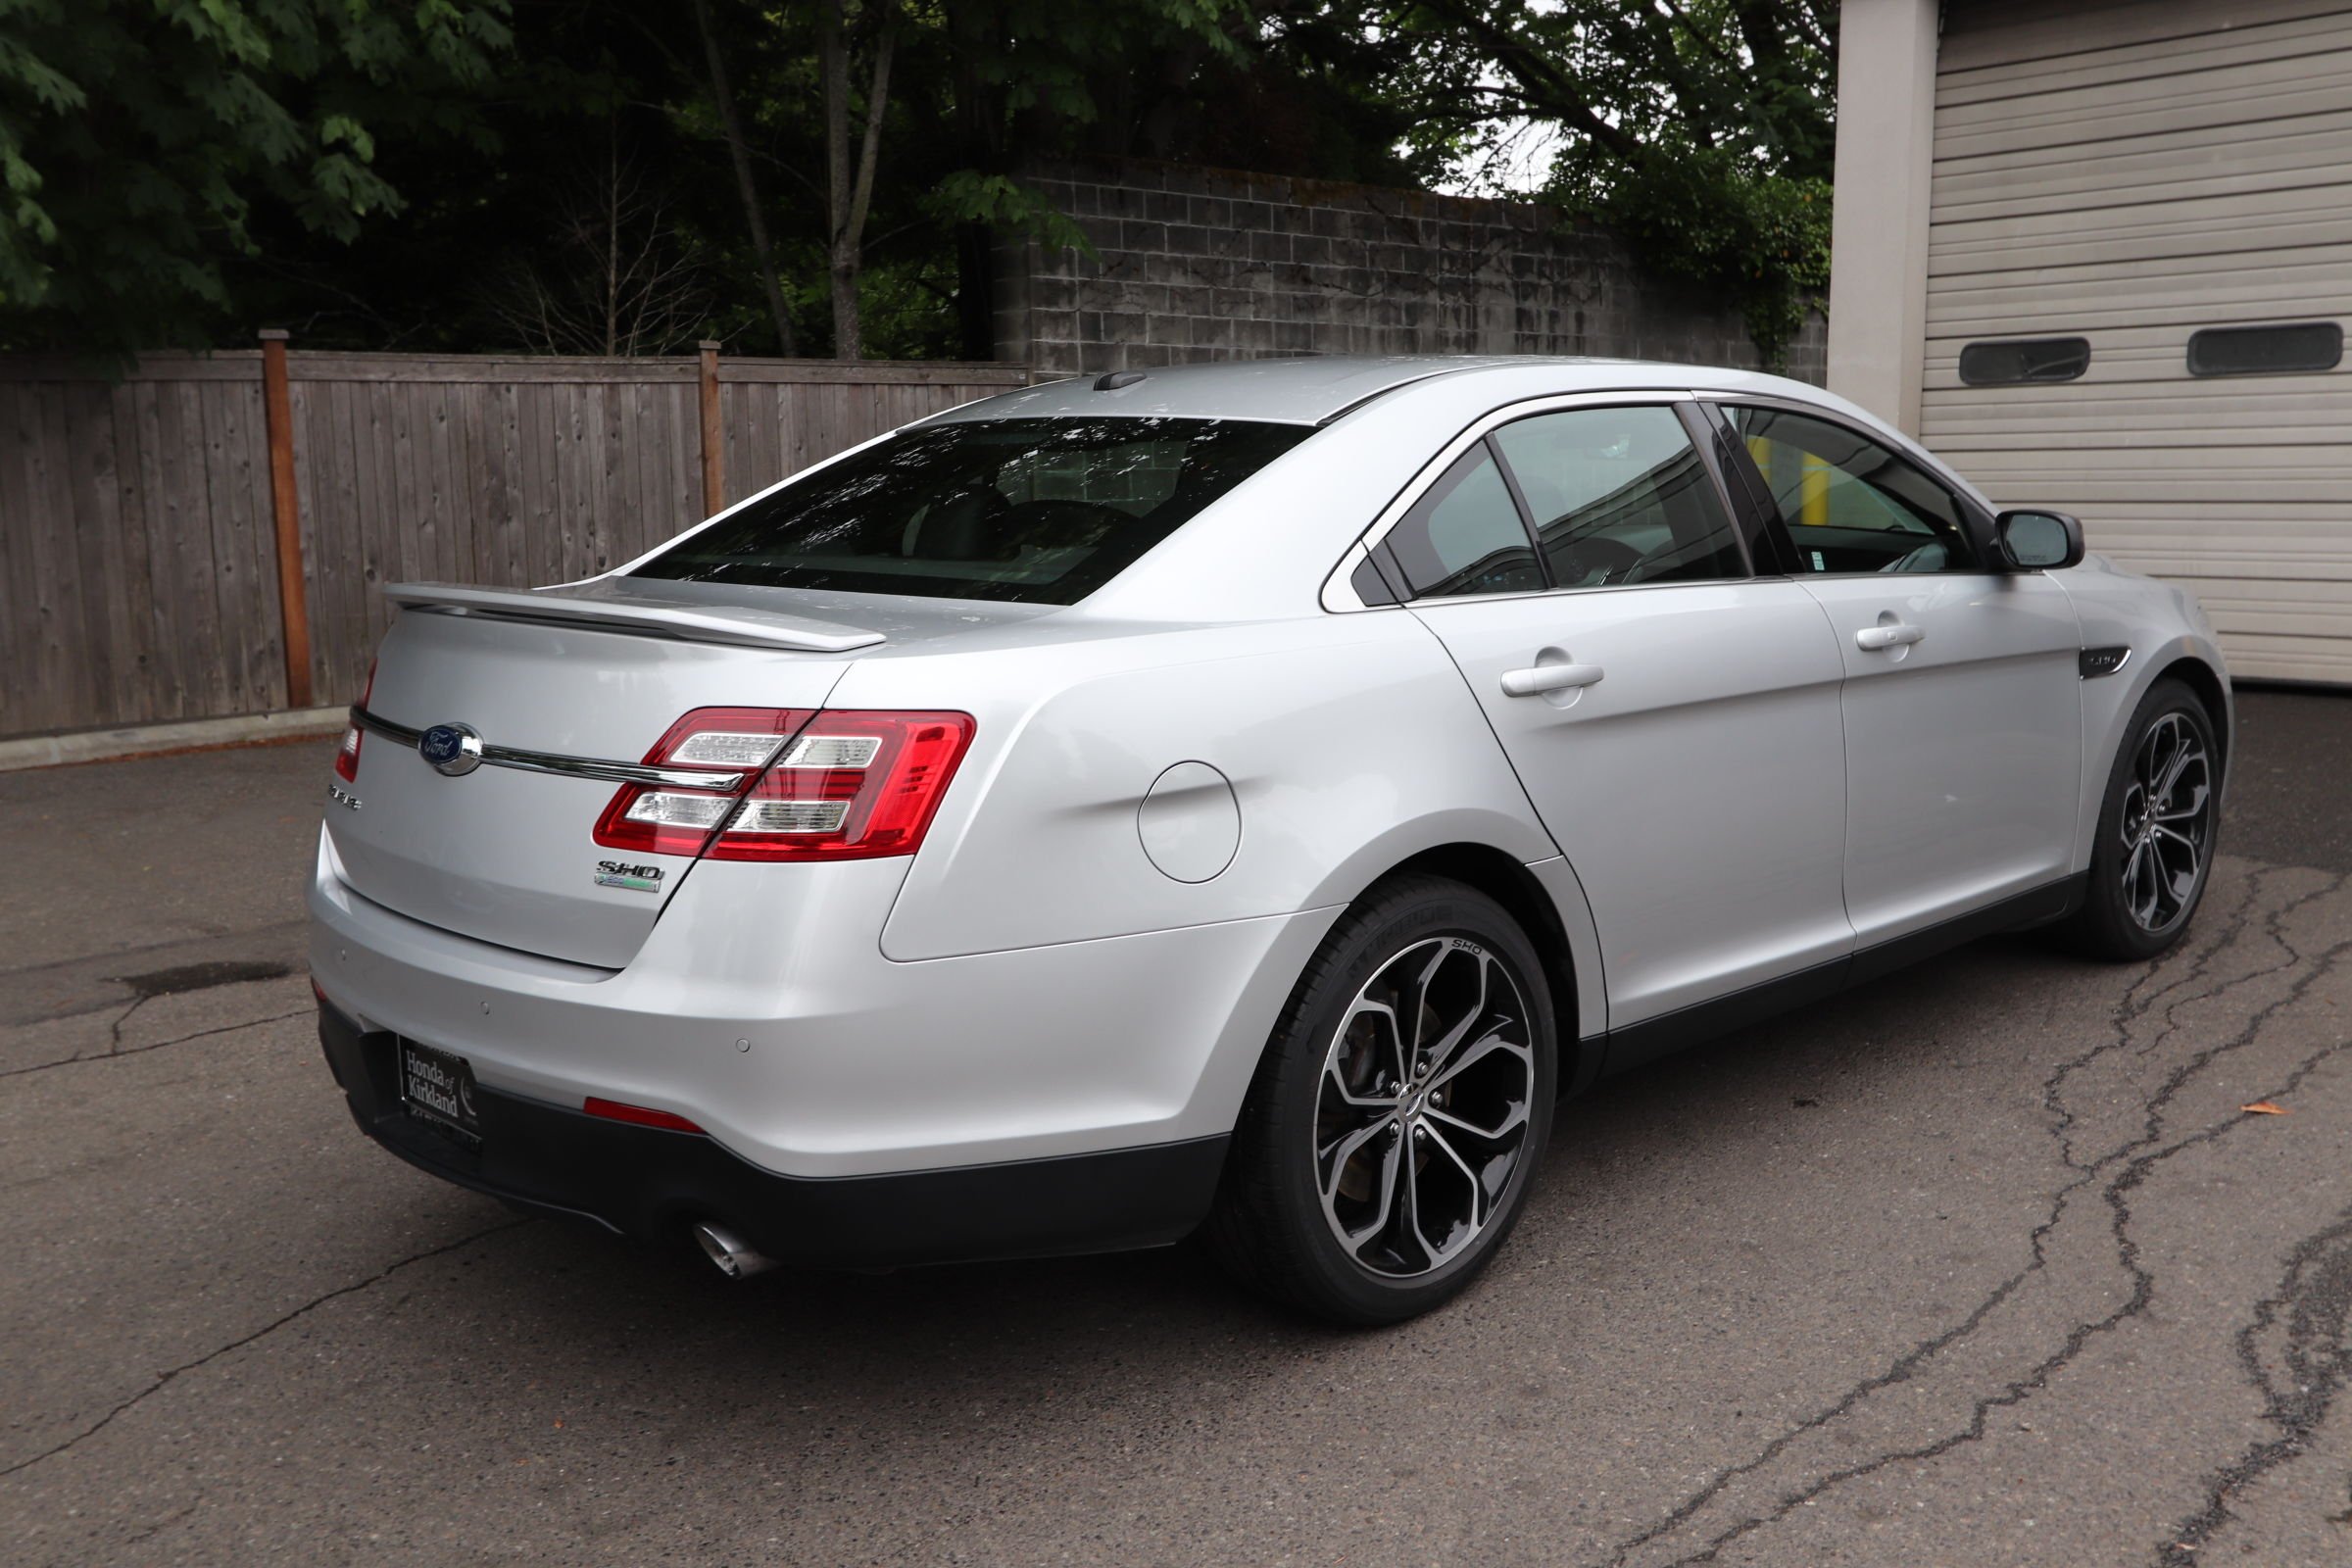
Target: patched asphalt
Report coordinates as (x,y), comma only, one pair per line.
(1985,1264)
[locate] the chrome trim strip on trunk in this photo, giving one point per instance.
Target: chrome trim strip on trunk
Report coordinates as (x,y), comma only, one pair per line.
(590,768)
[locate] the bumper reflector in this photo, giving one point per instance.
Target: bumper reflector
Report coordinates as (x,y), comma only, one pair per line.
(640,1115)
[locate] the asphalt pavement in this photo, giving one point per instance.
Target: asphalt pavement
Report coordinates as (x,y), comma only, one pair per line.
(1982,1265)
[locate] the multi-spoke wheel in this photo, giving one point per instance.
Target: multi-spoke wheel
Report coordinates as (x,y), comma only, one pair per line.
(1424,1107)
(2156,830)
(1389,1138)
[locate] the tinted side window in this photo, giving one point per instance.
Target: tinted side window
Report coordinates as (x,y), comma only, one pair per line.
(1464,536)
(1620,496)
(1850,504)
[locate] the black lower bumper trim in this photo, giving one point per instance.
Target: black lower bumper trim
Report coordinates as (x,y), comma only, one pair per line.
(651,1184)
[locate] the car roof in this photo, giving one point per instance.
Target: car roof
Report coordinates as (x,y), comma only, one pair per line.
(1317,390)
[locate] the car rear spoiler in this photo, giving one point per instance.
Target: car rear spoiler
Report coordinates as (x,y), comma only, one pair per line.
(741,626)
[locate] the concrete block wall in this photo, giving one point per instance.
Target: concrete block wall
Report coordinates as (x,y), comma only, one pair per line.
(1206,263)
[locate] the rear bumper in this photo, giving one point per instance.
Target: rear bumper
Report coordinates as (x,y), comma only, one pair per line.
(652,1184)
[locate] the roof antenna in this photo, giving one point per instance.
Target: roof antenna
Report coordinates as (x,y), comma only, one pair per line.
(1118,379)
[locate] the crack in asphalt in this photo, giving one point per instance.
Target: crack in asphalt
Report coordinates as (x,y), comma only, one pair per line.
(2315,1296)
(2144,1283)
(118,1049)
(2129,1011)
(1909,1362)
(163,1379)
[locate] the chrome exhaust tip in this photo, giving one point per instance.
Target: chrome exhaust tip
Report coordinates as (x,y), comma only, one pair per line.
(728,1252)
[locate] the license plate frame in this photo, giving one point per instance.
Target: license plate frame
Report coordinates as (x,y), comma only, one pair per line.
(436,1087)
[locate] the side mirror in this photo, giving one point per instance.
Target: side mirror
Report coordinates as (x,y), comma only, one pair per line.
(2038,540)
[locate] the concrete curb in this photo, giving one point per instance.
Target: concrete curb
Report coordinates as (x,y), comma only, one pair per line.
(99,745)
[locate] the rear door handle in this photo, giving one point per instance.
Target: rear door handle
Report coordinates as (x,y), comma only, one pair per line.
(1876,638)
(1548,678)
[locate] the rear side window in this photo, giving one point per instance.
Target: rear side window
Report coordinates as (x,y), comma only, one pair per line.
(1038,510)
(1464,536)
(1619,495)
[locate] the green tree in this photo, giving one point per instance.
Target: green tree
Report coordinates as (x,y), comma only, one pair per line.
(142,142)
(1701,130)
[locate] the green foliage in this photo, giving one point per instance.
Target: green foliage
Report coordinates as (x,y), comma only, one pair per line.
(1700,130)
(1713,219)
(141,141)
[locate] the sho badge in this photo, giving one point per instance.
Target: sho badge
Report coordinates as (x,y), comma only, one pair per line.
(635,878)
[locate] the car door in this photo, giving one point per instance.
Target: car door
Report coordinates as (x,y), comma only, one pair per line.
(1962,696)
(1672,717)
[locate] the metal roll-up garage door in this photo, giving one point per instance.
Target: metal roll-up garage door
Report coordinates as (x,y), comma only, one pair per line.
(2129,175)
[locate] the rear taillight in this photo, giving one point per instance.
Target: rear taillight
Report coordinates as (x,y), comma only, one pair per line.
(852,786)
(664,819)
(347,755)
(837,785)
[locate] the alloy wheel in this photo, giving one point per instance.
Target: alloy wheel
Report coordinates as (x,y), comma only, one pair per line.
(2167,823)
(1423,1109)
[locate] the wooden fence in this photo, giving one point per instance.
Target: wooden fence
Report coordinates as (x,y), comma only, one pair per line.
(142,535)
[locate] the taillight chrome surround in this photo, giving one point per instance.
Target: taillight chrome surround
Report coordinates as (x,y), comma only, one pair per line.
(812,785)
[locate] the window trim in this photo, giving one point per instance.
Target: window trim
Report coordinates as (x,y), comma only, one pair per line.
(1975,520)
(1339,595)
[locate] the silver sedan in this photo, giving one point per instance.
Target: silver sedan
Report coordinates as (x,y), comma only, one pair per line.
(1240,799)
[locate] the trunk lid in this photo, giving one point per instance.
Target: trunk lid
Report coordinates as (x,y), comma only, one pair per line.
(598,671)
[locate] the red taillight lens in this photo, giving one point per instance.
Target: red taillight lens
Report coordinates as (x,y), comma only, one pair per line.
(347,755)
(837,785)
(638,1116)
(660,819)
(852,786)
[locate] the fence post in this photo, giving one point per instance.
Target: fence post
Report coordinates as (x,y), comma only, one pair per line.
(714,444)
(293,607)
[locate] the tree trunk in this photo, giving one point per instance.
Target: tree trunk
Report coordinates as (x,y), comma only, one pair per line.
(746,186)
(850,194)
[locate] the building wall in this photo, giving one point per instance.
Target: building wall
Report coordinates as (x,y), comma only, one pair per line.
(1201,264)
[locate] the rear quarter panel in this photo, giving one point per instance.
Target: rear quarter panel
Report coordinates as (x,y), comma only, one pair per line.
(1350,743)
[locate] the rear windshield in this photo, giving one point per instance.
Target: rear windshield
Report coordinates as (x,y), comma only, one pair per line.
(1044,510)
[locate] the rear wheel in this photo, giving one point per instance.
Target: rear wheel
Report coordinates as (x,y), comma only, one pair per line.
(2156,830)
(1388,1142)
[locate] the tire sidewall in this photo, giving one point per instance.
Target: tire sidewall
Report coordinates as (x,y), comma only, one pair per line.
(2110,925)
(1427,909)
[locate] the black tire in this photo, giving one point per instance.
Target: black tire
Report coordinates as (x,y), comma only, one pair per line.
(2114,923)
(1269,1226)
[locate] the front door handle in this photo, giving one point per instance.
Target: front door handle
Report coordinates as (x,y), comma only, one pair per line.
(1548,678)
(1895,635)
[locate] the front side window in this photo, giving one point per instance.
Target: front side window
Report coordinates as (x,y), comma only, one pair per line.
(1464,536)
(1040,511)
(1619,495)
(1850,504)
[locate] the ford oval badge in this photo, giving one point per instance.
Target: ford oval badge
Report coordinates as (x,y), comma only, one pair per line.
(452,749)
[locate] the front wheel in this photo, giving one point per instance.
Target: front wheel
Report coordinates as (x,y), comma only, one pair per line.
(2157,825)
(1395,1123)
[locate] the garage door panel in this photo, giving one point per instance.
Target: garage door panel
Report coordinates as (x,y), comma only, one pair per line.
(2274,90)
(2233,227)
(2010,35)
(1962,88)
(2308,151)
(2131,174)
